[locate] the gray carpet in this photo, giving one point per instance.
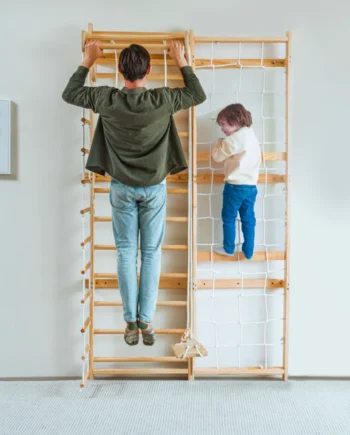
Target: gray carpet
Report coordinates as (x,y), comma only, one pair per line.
(215,407)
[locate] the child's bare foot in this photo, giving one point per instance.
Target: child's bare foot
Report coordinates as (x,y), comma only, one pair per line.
(221,251)
(148,335)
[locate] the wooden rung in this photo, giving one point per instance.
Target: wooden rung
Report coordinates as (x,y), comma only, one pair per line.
(85,210)
(86,352)
(87,373)
(228,39)
(162,275)
(85,151)
(240,371)
(204,156)
(86,121)
(164,247)
(170,190)
(218,284)
(170,77)
(133,36)
(155,61)
(140,371)
(237,63)
(121,331)
(86,241)
(164,283)
(258,256)
(86,325)
(161,359)
(159,304)
(206,178)
(86,268)
(120,46)
(168,219)
(178,191)
(86,296)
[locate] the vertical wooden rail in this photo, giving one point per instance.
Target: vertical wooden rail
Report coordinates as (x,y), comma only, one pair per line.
(92,244)
(287,214)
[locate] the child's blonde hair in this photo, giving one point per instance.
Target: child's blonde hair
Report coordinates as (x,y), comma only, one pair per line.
(235,114)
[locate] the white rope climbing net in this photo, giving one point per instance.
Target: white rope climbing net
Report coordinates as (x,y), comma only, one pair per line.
(241,326)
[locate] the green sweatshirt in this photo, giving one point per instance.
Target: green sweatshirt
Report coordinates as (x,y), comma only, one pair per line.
(135,141)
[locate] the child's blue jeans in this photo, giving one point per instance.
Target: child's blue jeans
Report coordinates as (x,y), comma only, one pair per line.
(239,198)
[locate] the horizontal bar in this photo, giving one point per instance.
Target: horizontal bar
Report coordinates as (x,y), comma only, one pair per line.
(86,241)
(267,156)
(85,151)
(122,45)
(164,247)
(156,60)
(209,284)
(140,371)
(122,331)
(240,371)
(170,190)
(206,178)
(159,304)
(237,63)
(86,268)
(225,39)
(258,256)
(168,219)
(161,76)
(162,275)
(130,35)
(86,325)
(164,283)
(170,359)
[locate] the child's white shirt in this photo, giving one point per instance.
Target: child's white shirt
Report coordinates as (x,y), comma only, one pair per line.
(246,169)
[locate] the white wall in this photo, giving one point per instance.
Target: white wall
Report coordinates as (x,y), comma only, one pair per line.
(40,226)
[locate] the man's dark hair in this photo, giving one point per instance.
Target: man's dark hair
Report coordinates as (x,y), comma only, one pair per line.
(133,62)
(235,114)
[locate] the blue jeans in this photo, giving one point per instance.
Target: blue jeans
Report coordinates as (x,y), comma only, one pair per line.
(239,198)
(138,211)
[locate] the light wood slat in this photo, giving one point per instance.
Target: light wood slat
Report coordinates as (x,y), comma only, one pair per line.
(229,39)
(170,77)
(240,371)
(140,371)
(164,247)
(209,284)
(122,331)
(121,45)
(162,275)
(142,359)
(258,256)
(169,190)
(236,63)
(159,304)
(173,219)
(164,283)
(85,150)
(203,156)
